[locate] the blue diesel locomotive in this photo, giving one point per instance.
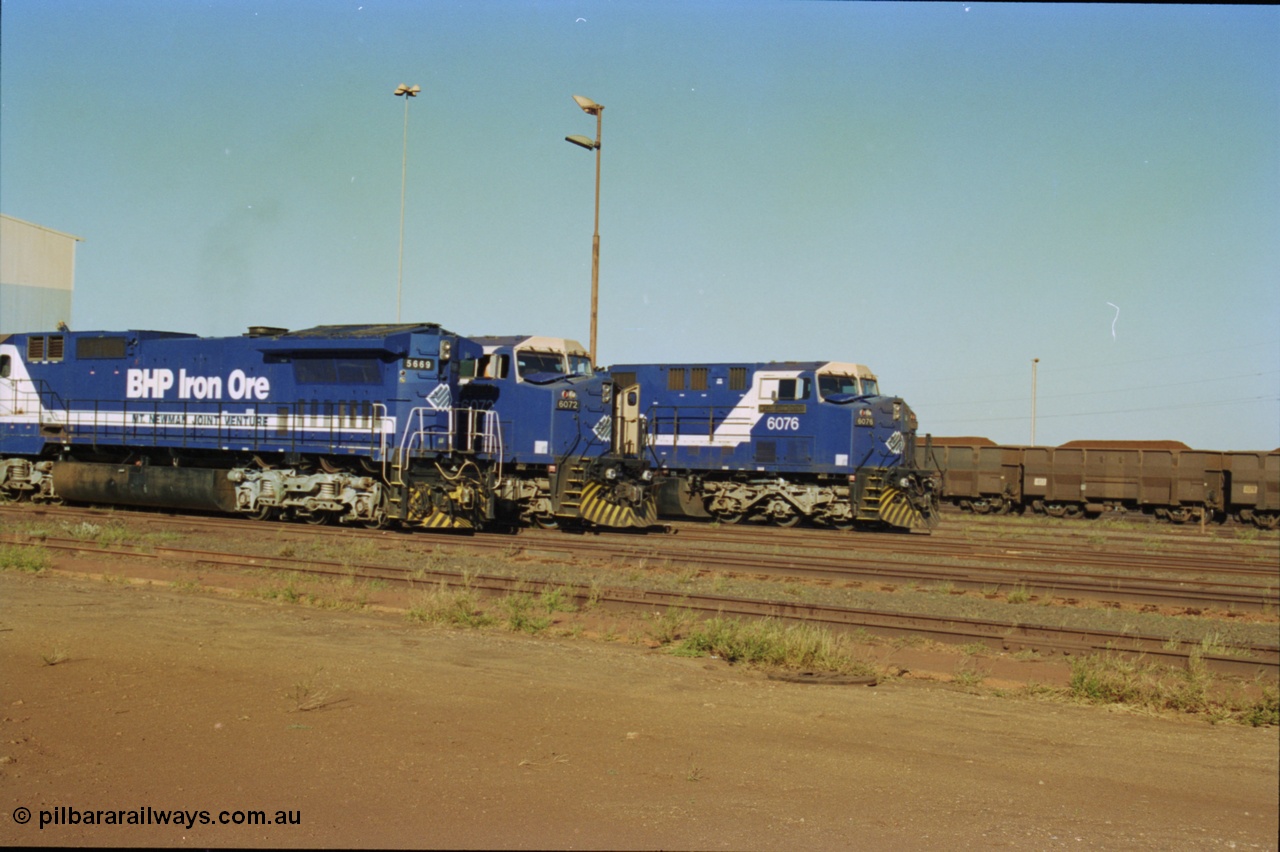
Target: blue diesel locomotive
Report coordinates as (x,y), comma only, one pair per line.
(778,443)
(356,424)
(545,475)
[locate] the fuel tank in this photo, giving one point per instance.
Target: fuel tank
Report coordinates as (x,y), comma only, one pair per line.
(199,489)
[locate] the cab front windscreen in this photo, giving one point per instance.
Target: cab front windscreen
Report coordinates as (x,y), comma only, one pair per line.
(838,385)
(830,385)
(530,363)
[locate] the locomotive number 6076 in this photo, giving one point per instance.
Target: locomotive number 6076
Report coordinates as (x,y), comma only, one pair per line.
(782,424)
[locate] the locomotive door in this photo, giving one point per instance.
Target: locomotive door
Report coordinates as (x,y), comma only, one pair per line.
(627,434)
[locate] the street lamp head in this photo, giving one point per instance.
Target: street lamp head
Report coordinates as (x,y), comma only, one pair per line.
(589,106)
(407,91)
(582,142)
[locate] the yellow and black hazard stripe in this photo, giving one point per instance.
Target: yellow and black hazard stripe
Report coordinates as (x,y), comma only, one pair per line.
(599,510)
(896,509)
(438,520)
(423,513)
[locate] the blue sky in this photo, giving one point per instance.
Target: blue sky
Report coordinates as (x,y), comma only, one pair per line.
(940,191)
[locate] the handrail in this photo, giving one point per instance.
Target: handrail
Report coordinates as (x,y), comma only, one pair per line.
(39,391)
(411,437)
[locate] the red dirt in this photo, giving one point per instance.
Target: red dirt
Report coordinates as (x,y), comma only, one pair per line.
(439,738)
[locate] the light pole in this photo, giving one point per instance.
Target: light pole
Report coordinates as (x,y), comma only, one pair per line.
(406,92)
(590,107)
(1034,363)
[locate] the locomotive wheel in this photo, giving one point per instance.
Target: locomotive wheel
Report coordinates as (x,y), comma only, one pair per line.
(1267,520)
(785,521)
(727,517)
(263,513)
(844,524)
(546,522)
(317,519)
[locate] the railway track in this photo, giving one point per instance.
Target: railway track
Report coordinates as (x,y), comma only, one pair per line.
(1180,580)
(1233,557)
(824,559)
(1246,661)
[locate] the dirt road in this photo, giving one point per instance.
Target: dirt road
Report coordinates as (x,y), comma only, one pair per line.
(366,731)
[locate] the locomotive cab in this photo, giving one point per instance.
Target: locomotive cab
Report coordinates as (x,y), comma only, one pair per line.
(883,437)
(566,467)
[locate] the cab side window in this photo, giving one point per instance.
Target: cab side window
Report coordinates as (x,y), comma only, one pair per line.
(780,390)
(793,389)
(494,366)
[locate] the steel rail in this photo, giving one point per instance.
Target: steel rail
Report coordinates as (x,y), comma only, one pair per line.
(1259,658)
(1186,592)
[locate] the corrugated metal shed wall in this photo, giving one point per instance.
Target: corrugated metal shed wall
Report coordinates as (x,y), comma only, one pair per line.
(37,276)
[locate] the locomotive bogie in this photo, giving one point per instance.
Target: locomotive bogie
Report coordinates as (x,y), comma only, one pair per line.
(345,497)
(23,479)
(777,501)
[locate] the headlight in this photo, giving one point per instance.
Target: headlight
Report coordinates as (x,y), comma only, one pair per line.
(647,476)
(611,474)
(905,483)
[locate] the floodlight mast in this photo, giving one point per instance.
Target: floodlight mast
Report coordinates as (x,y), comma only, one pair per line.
(406,92)
(590,107)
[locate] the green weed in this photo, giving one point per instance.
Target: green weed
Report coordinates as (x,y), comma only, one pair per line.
(1113,679)
(32,559)
(84,530)
(459,608)
(287,589)
(771,643)
(1019,595)
(969,675)
(518,607)
(670,625)
(114,535)
(556,600)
